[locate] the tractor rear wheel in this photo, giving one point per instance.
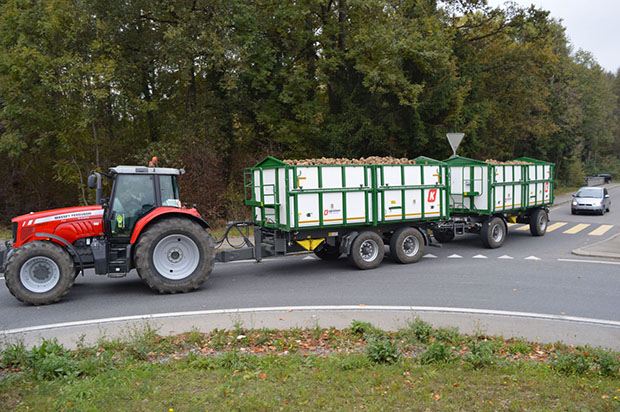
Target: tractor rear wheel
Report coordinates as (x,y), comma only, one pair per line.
(39,273)
(175,255)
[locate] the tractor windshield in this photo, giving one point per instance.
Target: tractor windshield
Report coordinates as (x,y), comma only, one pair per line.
(134,196)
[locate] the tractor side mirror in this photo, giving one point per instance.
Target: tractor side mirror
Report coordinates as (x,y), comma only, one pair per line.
(92,181)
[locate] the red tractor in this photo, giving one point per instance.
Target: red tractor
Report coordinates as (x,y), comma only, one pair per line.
(142,225)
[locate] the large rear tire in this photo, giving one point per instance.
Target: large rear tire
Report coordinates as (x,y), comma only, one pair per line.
(539,220)
(367,251)
(328,252)
(407,245)
(175,255)
(493,232)
(39,273)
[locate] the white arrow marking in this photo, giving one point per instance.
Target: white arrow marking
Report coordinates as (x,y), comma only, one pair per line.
(479,257)
(429,256)
(455,256)
(532,258)
(505,257)
(309,258)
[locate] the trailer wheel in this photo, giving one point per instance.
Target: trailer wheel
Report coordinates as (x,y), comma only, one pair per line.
(39,273)
(328,252)
(175,255)
(493,232)
(443,236)
(407,245)
(538,222)
(367,250)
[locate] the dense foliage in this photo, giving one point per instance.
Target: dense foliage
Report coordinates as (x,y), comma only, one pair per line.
(214,85)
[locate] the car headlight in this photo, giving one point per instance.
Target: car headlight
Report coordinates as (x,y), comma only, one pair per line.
(574,203)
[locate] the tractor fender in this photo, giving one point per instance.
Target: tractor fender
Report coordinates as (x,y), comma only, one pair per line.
(162,213)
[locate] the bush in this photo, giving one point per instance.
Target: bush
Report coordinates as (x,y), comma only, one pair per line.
(607,363)
(382,350)
(55,366)
(519,347)
(421,330)
(448,335)
(364,329)
(437,353)
(481,354)
(14,356)
(572,364)
(51,360)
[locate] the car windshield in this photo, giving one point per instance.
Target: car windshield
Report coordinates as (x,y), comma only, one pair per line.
(590,192)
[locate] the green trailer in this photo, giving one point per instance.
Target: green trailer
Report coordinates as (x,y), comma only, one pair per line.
(352,209)
(485,196)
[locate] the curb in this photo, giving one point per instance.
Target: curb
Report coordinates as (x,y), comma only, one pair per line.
(536,327)
(583,251)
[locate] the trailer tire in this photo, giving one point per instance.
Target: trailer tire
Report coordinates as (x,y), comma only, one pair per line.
(50,261)
(493,232)
(443,236)
(328,252)
(407,245)
(175,255)
(367,251)
(538,222)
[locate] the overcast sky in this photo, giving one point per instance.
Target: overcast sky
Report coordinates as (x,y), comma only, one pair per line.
(591,25)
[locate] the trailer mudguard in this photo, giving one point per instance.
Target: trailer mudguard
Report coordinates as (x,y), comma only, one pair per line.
(163,212)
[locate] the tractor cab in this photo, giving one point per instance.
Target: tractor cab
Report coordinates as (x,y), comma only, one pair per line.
(136,191)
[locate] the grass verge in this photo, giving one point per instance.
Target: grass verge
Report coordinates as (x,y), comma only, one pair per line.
(362,367)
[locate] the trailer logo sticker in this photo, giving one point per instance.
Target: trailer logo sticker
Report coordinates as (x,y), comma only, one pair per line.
(432,195)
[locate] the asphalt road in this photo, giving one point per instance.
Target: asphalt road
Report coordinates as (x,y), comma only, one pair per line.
(528,274)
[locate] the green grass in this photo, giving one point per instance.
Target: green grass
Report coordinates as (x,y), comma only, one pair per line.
(307,369)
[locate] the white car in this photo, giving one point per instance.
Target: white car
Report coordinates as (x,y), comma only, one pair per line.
(591,199)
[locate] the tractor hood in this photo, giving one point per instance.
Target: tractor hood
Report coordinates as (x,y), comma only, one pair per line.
(58,215)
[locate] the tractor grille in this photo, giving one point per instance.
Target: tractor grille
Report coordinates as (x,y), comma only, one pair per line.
(14,232)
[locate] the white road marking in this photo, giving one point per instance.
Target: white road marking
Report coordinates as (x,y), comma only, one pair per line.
(576,229)
(505,257)
(309,257)
(532,258)
(601,230)
(430,256)
(306,308)
(602,262)
(555,226)
(455,256)
(1,277)
(479,257)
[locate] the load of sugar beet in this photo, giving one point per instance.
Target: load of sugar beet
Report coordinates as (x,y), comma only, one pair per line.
(372,160)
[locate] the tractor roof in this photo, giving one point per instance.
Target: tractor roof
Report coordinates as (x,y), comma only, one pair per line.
(140,170)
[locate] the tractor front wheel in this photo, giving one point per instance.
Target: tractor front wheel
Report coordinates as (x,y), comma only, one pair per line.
(175,255)
(39,273)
